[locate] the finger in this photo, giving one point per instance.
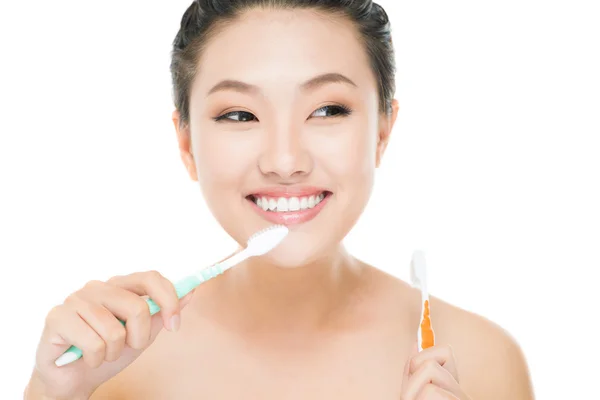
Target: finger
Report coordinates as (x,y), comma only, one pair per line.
(432,392)
(63,324)
(405,371)
(121,281)
(185,300)
(158,288)
(414,350)
(51,344)
(156,322)
(443,355)
(124,305)
(103,322)
(430,372)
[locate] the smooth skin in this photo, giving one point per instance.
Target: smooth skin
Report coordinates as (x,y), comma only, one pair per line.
(308,320)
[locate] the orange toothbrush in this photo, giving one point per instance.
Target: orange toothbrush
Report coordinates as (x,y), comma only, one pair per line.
(418,275)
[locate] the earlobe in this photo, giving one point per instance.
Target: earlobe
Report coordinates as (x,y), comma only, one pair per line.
(185,145)
(385,129)
(188,161)
(382,142)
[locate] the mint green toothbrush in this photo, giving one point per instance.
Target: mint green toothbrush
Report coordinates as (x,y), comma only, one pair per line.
(260,243)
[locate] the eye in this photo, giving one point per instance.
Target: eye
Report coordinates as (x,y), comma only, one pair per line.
(331,111)
(236,116)
(323,112)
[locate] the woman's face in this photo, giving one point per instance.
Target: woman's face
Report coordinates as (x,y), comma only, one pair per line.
(285,128)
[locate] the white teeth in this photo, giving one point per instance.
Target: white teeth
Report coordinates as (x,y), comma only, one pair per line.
(303,203)
(282,204)
(264,203)
(319,198)
(294,204)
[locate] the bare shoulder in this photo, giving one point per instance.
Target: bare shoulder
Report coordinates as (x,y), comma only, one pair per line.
(490,362)
(109,390)
(120,387)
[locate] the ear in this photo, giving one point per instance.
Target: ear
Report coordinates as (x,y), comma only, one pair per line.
(386,123)
(185,144)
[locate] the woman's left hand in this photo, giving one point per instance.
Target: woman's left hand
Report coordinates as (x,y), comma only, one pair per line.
(431,375)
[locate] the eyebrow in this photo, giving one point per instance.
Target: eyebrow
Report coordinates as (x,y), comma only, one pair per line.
(311,84)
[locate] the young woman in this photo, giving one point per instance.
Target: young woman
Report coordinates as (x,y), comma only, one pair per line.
(283,112)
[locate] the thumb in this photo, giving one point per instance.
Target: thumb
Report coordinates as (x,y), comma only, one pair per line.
(157,323)
(185,300)
(414,350)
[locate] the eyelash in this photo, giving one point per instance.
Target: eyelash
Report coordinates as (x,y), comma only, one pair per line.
(342,112)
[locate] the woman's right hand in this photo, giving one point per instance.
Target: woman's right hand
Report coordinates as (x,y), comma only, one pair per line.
(88,320)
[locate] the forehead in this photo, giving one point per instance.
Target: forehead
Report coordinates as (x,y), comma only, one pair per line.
(276,48)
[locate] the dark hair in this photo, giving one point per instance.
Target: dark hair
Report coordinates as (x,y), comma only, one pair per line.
(203,18)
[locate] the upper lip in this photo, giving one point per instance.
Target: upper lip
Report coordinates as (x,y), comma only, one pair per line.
(288,191)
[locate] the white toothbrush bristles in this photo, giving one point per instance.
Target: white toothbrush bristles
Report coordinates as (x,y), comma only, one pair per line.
(266,239)
(258,244)
(418,271)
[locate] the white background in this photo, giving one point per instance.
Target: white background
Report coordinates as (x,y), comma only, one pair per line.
(493,168)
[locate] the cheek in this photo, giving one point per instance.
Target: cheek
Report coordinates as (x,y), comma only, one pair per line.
(222,159)
(348,159)
(348,156)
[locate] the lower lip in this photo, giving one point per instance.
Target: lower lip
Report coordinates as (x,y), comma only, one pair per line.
(290,217)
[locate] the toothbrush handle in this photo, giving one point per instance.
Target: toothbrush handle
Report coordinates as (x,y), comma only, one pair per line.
(182,287)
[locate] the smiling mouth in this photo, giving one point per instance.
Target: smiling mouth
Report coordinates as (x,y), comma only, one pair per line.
(288,204)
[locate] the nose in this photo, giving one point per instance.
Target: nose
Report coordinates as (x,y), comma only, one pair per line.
(285,155)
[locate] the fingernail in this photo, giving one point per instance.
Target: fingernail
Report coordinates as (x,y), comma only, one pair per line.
(175,320)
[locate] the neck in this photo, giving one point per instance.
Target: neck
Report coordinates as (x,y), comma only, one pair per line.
(300,298)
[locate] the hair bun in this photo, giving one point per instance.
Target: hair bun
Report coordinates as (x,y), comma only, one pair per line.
(190,15)
(379,13)
(190,24)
